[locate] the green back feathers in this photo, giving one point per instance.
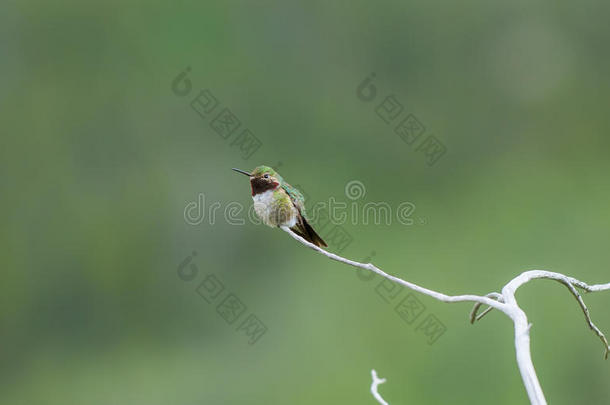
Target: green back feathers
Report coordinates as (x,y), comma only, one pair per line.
(295,194)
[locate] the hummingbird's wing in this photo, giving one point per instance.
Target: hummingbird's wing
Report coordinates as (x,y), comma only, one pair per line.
(296,197)
(302,227)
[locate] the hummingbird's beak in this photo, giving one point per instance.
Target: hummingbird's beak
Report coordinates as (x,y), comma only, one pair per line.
(242,172)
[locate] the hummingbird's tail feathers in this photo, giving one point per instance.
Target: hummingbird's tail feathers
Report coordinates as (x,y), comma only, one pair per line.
(305,231)
(296,229)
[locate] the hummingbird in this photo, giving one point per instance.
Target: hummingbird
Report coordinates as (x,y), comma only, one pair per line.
(277,203)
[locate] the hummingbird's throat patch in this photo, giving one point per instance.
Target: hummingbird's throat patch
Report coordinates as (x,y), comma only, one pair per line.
(260,185)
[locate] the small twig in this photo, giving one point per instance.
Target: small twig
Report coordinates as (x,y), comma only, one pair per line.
(376,382)
(585,311)
(473,314)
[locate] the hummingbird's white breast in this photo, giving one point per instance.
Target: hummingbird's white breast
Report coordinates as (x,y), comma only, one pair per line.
(272,212)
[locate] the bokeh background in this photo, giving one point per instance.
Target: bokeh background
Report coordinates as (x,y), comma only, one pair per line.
(100,157)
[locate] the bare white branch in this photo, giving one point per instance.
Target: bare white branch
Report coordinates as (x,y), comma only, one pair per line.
(368,266)
(504,302)
(374,384)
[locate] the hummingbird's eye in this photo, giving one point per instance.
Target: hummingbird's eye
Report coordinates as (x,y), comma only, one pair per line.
(266,176)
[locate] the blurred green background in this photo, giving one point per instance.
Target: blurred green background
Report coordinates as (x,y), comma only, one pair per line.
(100,157)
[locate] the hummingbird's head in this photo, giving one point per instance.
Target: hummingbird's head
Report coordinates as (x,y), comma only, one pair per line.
(262,178)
